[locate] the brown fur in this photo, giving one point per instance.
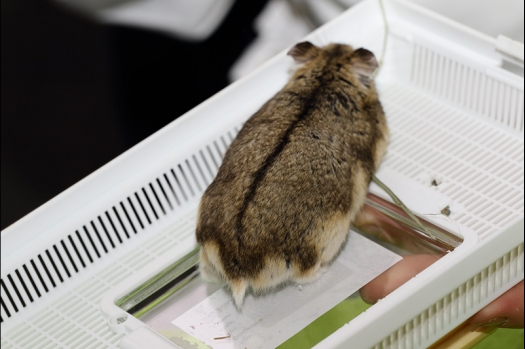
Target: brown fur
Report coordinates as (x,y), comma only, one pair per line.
(296,175)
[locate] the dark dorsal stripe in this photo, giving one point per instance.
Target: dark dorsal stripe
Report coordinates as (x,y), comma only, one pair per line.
(270,160)
(308,105)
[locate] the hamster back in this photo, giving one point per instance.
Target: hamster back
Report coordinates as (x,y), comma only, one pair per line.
(296,175)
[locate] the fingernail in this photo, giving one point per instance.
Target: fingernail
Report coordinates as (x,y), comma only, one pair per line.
(497,322)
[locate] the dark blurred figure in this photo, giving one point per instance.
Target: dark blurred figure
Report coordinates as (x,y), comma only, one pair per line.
(160,78)
(58,120)
(76,94)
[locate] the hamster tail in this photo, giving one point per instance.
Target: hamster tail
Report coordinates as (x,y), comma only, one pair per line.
(239,287)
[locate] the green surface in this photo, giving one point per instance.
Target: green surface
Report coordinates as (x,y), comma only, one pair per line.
(352,307)
(326,324)
(503,338)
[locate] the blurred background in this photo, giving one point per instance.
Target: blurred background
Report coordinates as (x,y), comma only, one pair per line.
(57,113)
(84,80)
(77,92)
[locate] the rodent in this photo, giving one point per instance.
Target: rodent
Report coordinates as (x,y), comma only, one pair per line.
(296,175)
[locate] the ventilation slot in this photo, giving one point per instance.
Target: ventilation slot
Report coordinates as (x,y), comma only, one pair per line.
(32,281)
(75,252)
(434,320)
(5,291)
(136,215)
(476,161)
(468,88)
(164,194)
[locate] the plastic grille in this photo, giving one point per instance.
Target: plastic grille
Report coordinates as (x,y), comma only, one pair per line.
(91,242)
(422,329)
(468,88)
(478,166)
(76,312)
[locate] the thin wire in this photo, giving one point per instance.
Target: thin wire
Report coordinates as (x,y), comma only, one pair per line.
(400,203)
(376,180)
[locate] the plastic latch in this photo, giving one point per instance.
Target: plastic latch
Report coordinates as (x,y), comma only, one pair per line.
(116,322)
(511,50)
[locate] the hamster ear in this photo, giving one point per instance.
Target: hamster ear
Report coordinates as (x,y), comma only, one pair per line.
(304,52)
(364,63)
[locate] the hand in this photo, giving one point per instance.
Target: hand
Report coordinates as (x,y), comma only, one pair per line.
(506,311)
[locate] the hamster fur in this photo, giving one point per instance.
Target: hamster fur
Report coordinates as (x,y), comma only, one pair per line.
(291,182)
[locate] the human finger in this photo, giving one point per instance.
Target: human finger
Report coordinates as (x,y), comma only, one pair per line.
(396,276)
(505,311)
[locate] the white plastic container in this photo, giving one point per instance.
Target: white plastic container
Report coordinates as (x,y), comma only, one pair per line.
(454,101)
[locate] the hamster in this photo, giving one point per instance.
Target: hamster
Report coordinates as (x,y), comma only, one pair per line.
(280,207)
